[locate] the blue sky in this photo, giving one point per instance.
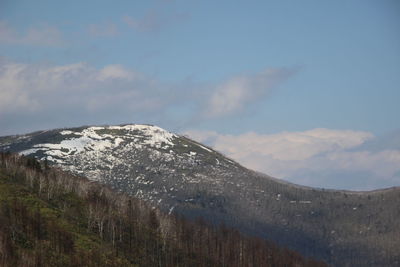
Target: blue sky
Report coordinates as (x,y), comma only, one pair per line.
(221,71)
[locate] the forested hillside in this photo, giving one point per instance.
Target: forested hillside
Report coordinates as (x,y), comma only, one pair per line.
(51,218)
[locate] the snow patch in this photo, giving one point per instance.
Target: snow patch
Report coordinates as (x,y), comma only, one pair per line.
(170,210)
(203,147)
(29,151)
(66,132)
(154,136)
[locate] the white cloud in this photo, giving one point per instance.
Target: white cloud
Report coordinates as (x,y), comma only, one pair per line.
(31,87)
(306,157)
(116,72)
(234,94)
(12,97)
(43,35)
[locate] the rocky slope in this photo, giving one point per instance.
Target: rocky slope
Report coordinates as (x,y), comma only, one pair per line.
(180,175)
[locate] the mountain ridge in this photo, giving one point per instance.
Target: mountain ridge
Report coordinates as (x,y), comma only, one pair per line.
(280,180)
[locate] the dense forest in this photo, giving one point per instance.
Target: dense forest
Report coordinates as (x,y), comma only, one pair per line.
(51,218)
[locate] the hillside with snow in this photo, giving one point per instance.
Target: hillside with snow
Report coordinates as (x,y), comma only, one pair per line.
(180,175)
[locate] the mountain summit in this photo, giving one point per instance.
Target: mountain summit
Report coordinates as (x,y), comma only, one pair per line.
(180,175)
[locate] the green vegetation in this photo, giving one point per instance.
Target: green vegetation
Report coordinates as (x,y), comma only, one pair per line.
(110,131)
(50,218)
(35,231)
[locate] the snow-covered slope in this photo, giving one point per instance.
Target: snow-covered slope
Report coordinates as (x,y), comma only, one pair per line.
(88,144)
(183,176)
(143,160)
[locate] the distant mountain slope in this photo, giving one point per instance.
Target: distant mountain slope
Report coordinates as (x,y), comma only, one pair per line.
(51,218)
(180,175)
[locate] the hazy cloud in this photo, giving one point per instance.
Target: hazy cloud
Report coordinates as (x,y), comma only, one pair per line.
(312,157)
(103,30)
(116,72)
(36,87)
(44,35)
(30,87)
(153,20)
(37,96)
(234,94)
(79,93)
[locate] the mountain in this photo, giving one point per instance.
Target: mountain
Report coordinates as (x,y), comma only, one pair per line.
(51,218)
(181,176)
